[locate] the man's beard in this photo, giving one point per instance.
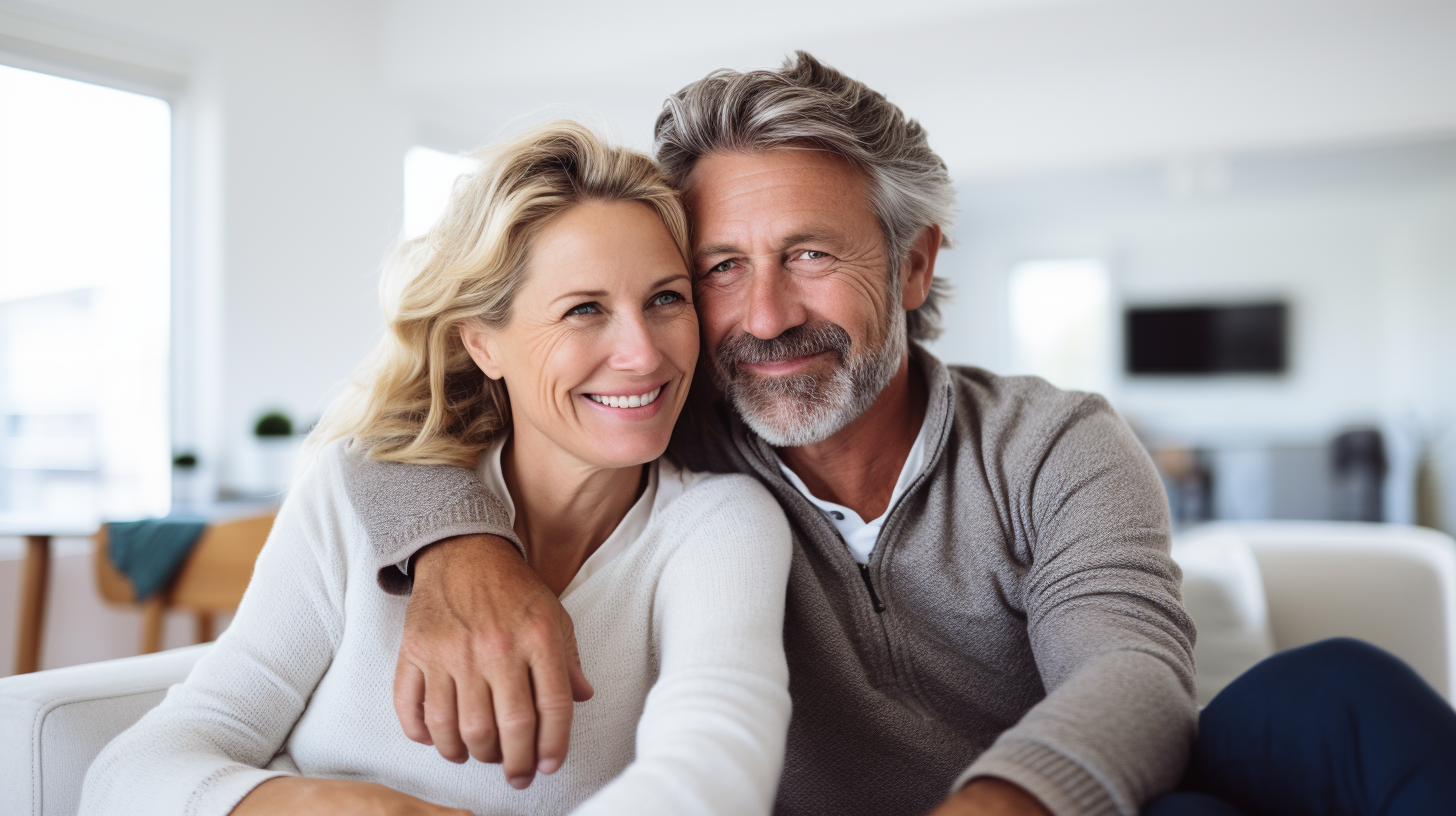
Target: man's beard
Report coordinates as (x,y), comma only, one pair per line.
(805,409)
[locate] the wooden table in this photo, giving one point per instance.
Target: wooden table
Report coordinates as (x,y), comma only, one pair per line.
(35,578)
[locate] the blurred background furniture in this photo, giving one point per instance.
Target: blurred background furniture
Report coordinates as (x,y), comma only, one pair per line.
(38,533)
(211,580)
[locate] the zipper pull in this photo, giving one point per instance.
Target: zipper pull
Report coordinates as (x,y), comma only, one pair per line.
(864,572)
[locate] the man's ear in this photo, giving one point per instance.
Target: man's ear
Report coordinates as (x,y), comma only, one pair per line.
(481,346)
(919,268)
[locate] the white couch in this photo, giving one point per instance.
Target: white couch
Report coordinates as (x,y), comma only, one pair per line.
(1251,588)
(1254,588)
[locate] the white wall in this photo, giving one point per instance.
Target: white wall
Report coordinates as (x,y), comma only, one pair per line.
(290,151)
(1360,242)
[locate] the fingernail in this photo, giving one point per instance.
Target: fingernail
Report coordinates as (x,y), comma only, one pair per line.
(548,766)
(519,782)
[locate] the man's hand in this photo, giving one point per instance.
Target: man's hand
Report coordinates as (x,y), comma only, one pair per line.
(302,796)
(488,666)
(989,796)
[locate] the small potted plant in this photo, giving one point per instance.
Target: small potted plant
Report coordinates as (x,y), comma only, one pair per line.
(277,448)
(185,481)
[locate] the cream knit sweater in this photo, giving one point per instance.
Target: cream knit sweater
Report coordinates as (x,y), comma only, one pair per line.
(680,633)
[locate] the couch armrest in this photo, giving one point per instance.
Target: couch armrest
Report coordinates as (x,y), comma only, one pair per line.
(54,723)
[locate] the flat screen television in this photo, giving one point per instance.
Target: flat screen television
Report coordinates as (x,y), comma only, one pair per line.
(1242,339)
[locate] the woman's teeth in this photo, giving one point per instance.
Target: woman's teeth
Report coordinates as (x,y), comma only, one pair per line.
(634,401)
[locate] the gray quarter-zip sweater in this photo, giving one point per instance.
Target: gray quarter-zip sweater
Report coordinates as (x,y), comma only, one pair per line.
(1019,616)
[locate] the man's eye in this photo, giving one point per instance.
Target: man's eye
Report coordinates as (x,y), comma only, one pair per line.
(724,266)
(813,255)
(666,298)
(583,309)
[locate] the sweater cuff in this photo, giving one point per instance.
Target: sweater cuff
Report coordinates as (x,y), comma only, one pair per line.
(470,518)
(1063,786)
(221,792)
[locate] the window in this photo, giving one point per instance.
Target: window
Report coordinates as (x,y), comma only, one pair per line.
(1061,322)
(85,273)
(429,176)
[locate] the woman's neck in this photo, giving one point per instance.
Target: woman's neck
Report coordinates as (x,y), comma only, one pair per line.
(565,508)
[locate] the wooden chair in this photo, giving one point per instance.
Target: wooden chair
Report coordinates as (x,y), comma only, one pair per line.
(211,580)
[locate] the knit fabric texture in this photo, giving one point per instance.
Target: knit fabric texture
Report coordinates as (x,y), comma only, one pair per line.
(1031,627)
(682,632)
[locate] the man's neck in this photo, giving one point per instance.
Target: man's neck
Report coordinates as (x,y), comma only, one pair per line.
(565,509)
(858,466)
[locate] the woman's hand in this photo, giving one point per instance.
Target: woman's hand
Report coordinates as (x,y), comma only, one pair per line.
(488,665)
(303,796)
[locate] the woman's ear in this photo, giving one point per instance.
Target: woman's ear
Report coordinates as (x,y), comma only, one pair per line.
(481,346)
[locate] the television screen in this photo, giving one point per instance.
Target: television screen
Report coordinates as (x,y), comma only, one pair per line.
(1248,339)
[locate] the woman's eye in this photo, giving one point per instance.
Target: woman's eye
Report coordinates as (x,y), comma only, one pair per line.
(583,309)
(667,298)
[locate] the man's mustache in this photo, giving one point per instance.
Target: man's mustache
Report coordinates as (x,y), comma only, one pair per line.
(800,341)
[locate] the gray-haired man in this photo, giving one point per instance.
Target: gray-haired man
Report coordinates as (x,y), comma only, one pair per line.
(981,603)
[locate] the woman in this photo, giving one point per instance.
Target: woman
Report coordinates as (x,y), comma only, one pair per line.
(546,334)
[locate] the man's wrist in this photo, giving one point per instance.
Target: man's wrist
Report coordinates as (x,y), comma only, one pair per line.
(994,796)
(439,553)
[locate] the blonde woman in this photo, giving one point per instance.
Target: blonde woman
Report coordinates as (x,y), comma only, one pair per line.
(545,335)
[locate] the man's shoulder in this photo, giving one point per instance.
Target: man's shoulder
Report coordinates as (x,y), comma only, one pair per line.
(993,403)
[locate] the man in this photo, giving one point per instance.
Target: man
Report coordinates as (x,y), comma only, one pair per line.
(982,617)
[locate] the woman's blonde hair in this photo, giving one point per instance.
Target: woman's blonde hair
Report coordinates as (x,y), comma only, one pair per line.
(420,398)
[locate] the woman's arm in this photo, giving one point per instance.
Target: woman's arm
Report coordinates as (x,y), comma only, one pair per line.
(711,738)
(301,796)
(209,743)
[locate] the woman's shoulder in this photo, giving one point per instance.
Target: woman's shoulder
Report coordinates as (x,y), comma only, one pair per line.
(712,488)
(694,500)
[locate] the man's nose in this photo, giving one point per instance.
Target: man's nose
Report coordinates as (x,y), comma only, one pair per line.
(633,347)
(772,303)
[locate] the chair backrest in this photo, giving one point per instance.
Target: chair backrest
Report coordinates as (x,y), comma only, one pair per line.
(1391,585)
(213,577)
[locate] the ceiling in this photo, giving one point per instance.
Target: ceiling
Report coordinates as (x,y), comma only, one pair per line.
(1001,85)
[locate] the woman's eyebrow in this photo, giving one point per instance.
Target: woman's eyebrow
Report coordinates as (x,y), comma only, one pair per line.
(595,293)
(601,293)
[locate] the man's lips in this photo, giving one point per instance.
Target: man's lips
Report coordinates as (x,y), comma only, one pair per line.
(785,367)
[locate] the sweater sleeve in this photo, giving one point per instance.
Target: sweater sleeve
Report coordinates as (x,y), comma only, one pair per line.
(214,736)
(404,508)
(711,736)
(1106,624)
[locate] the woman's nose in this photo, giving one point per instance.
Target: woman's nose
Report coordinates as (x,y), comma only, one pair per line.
(633,347)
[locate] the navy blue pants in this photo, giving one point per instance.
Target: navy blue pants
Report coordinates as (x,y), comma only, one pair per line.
(1336,728)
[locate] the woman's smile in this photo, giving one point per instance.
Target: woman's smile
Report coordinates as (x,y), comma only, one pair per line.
(641,400)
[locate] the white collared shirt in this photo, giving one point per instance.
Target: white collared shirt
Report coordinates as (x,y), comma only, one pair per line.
(858,534)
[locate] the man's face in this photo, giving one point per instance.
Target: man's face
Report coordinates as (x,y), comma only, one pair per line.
(800,317)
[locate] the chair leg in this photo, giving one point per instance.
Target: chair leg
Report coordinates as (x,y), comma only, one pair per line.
(152,612)
(204,627)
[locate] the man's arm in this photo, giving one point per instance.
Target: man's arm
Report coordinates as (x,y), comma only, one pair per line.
(488,665)
(1112,642)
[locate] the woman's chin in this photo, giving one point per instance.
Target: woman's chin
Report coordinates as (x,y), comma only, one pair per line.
(619,450)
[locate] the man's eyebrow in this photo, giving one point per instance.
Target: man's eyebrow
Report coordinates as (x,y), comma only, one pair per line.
(806,237)
(719,249)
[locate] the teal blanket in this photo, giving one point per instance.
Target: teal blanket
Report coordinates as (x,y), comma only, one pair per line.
(151,551)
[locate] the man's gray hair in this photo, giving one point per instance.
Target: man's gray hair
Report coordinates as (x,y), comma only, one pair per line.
(808,103)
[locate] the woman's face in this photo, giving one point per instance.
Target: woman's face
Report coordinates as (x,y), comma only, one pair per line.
(602,339)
